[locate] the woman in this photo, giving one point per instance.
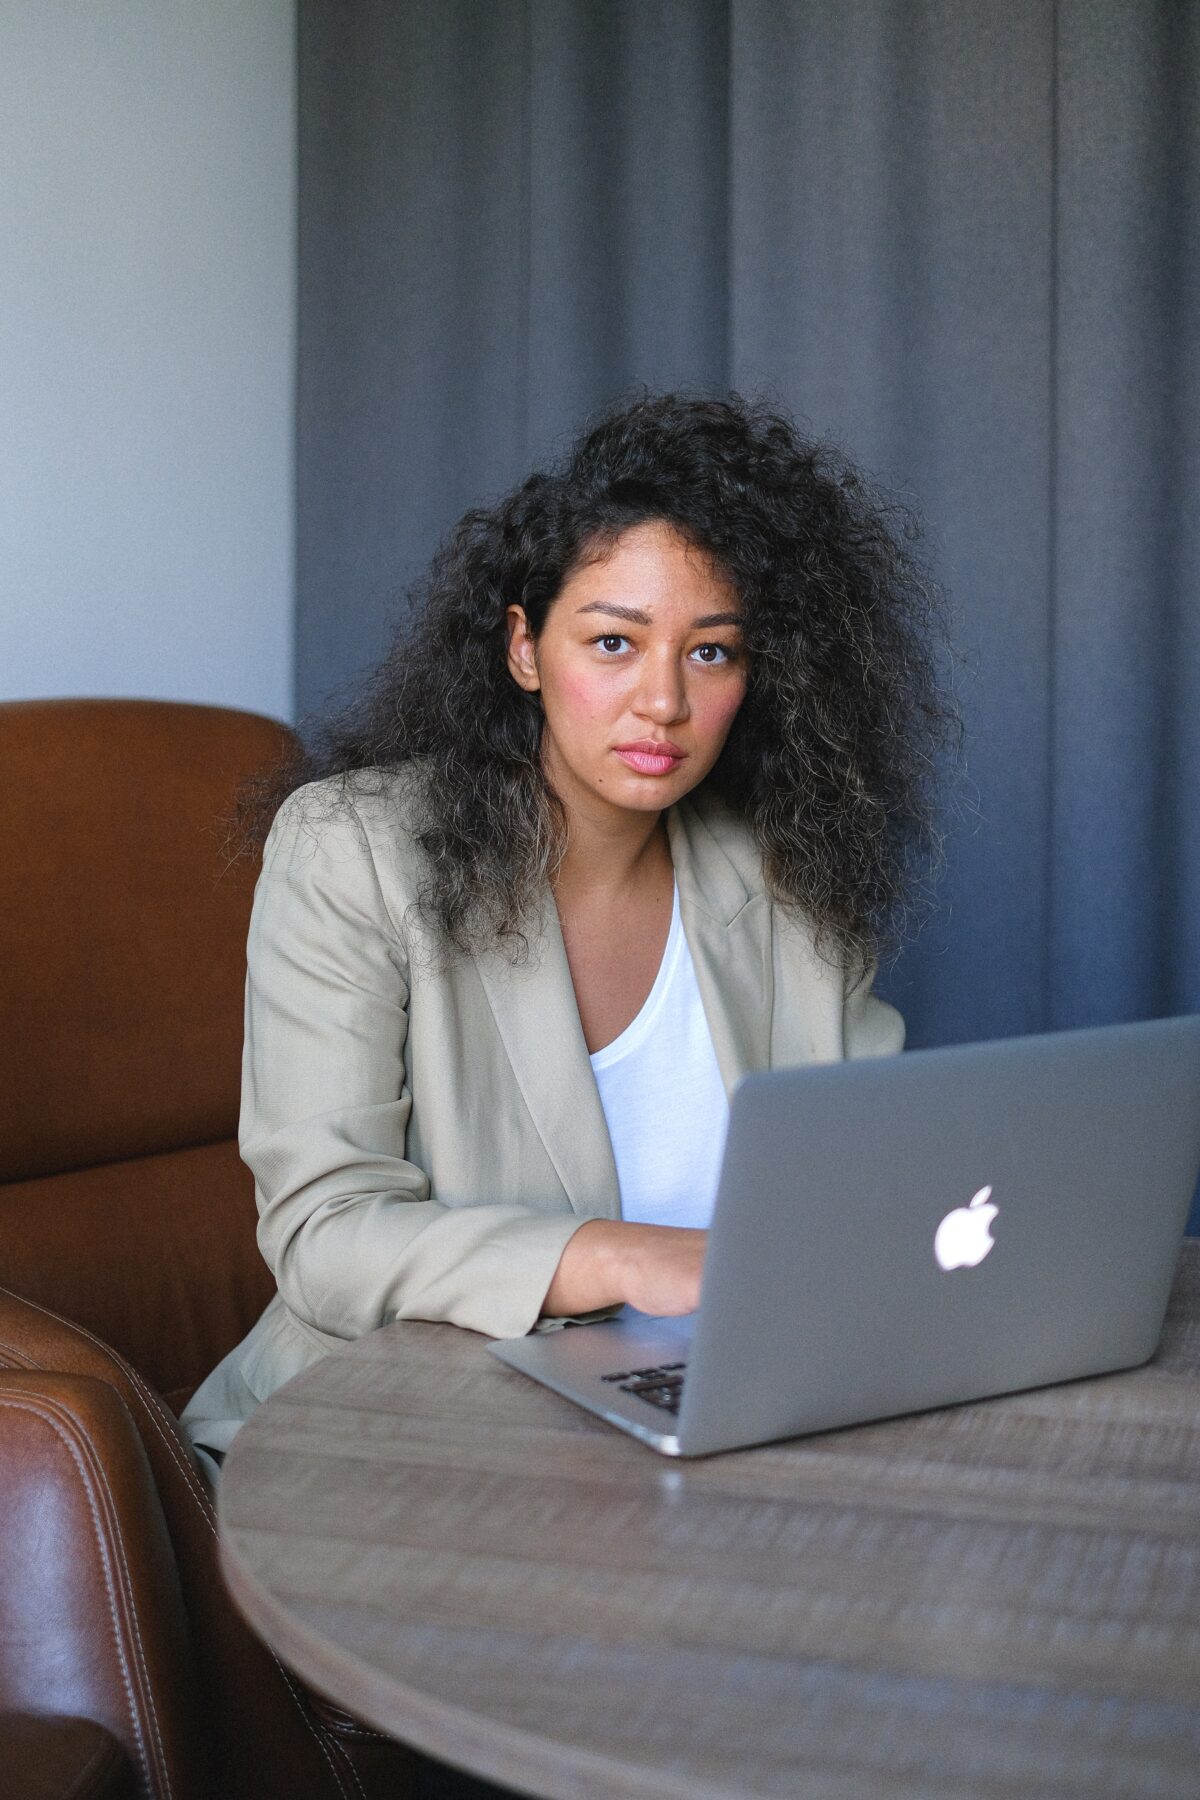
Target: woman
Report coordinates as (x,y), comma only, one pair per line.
(631,807)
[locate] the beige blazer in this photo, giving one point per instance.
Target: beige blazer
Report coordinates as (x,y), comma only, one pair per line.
(425,1136)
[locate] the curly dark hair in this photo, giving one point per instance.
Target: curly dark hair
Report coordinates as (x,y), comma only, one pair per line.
(833,756)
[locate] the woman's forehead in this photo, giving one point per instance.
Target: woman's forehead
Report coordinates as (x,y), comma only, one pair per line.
(652,562)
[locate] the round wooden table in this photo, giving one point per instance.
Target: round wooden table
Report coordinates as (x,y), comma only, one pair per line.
(992,1600)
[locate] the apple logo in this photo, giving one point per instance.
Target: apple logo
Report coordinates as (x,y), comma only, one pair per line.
(962,1239)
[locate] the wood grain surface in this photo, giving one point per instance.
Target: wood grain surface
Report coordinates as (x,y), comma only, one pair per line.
(997,1599)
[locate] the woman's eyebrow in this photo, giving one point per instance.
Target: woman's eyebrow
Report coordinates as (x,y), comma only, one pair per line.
(631,613)
(637,617)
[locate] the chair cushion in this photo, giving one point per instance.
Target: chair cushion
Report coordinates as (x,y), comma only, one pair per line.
(157,1256)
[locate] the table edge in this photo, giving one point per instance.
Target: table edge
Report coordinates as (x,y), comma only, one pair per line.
(441,1729)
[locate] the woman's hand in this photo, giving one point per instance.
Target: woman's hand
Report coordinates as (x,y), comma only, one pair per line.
(655,1268)
(662,1267)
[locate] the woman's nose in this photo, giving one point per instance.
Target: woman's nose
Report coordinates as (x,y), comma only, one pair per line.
(663,692)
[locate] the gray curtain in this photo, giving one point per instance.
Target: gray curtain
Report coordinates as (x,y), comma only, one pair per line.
(962,238)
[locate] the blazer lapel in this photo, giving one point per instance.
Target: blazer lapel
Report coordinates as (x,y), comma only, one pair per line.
(538,1019)
(727,923)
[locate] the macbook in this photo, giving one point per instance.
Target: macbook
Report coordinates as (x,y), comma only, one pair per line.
(897,1233)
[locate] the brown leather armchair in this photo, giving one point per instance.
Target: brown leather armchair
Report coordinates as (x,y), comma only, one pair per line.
(128,1267)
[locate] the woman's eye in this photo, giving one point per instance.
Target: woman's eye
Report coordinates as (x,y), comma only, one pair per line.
(712,653)
(610,644)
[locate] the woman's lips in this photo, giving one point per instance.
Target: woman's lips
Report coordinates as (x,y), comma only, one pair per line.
(649,758)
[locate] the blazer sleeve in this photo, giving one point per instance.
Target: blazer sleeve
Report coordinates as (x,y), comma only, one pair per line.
(870,1026)
(346,1222)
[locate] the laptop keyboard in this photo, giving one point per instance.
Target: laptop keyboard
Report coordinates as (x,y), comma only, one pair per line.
(661,1385)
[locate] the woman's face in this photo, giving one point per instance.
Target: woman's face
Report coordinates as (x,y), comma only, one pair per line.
(640,668)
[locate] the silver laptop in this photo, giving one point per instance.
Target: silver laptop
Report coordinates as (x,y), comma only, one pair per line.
(912,1231)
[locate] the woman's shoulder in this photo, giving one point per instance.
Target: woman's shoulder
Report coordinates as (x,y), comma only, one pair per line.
(376,797)
(363,815)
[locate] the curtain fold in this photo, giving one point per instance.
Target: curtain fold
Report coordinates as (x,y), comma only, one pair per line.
(1124,589)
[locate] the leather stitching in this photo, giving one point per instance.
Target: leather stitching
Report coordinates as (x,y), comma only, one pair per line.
(119,1538)
(144,1392)
(47,1413)
(351,1728)
(318,1736)
(348,1760)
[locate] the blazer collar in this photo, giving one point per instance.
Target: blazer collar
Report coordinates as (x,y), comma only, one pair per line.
(726,920)
(712,866)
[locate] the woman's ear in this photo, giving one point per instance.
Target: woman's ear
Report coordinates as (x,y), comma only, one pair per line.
(522,661)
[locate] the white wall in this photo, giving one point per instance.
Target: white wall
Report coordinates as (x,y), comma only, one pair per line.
(147,326)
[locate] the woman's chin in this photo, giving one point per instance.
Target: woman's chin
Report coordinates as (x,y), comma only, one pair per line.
(648,793)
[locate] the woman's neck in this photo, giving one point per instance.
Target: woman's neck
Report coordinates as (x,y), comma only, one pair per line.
(612,854)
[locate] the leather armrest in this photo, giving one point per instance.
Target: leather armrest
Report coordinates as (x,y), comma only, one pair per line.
(269,1738)
(91,1618)
(46,1758)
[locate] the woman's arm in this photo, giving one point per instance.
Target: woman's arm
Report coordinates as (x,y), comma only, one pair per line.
(656,1268)
(346,1221)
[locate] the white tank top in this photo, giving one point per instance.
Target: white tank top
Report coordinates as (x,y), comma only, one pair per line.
(664,1099)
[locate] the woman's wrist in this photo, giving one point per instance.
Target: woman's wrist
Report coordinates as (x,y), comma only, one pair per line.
(590,1271)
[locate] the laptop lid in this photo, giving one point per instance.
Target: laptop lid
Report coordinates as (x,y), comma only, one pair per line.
(825,1302)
